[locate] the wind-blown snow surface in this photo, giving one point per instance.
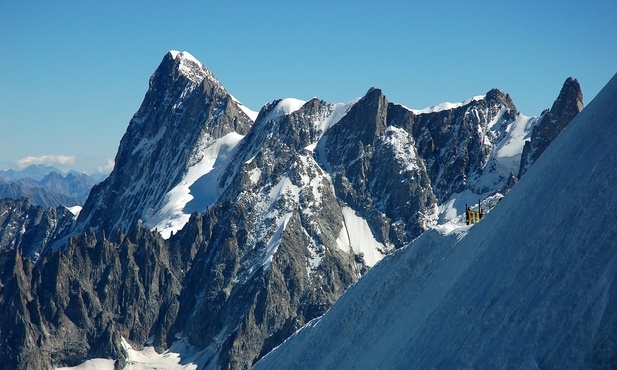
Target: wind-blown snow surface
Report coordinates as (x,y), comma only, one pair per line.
(533,285)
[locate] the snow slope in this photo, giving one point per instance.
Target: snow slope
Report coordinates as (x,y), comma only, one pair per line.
(533,285)
(446,106)
(180,357)
(198,188)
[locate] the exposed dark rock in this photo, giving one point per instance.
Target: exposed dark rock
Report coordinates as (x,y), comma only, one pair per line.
(30,228)
(184,110)
(569,103)
(77,303)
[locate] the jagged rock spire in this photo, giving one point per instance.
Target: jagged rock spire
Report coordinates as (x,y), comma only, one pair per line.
(569,103)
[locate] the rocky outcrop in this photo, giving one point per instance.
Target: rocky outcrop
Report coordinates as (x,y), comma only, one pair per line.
(569,103)
(377,171)
(29,228)
(78,303)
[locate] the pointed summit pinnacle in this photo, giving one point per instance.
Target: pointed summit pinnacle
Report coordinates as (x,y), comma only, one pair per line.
(187,65)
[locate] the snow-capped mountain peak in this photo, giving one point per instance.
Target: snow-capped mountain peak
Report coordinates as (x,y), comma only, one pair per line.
(285,107)
(172,135)
(190,67)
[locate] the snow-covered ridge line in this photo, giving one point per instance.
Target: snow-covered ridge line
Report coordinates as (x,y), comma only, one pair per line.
(445,106)
(184,55)
(339,111)
(249,112)
(285,107)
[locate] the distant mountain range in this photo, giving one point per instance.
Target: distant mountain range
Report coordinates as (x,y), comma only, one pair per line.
(47,186)
(226,230)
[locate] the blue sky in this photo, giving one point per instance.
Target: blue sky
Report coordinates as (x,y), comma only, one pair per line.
(72,73)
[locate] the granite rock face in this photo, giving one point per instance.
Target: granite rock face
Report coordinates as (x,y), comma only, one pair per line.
(29,228)
(78,303)
(569,103)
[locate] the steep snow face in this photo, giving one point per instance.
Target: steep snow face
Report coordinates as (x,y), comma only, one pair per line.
(508,150)
(530,286)
(197,189)
(357,234)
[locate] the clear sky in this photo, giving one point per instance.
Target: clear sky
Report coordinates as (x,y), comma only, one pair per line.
(72,73)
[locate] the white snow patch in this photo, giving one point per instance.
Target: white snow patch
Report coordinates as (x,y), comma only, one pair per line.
(446,106)
(180,356)
(402,146)
(95,364)
(149,359)
(197,190)
(184,55)
(339,111)
(255,175)
(74,210)
(275,241)
(285,186)
(508,151)
(285,107)
(192,68)
(360,237)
